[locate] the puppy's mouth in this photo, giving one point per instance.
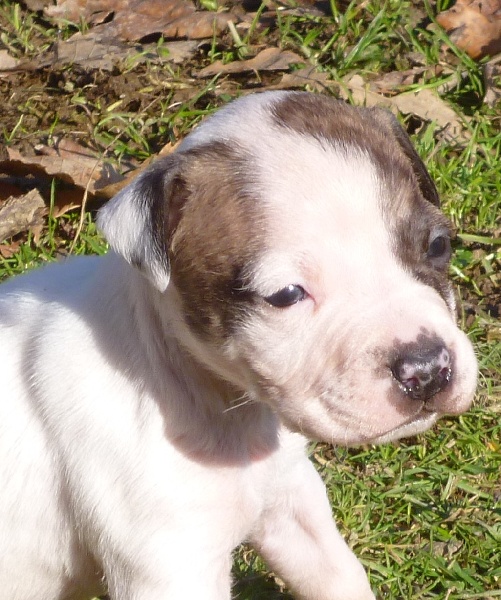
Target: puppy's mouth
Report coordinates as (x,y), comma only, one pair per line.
(423,421)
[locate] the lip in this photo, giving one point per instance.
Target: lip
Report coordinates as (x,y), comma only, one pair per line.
(416,425)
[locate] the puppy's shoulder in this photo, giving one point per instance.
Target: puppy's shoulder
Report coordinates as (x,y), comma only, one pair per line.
(22,296)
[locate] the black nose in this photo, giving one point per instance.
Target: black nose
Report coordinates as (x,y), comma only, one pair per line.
(422,368)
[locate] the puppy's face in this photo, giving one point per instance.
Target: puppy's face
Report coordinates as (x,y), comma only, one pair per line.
(307,259)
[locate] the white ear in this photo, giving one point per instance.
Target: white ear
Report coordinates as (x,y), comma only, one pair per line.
(135,221)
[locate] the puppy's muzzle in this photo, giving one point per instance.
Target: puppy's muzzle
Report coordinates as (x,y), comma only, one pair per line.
(422,369)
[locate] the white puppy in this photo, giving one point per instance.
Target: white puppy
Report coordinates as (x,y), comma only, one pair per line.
(281,276)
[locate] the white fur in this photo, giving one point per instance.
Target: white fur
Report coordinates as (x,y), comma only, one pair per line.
(126,464)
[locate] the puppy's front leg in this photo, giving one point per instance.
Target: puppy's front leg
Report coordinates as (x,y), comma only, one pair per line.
(299,539)
(183,577)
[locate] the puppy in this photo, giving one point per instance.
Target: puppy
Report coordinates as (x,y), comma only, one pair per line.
(281,276)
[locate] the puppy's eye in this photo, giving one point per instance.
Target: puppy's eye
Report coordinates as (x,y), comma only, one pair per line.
(439,250)
(287,296)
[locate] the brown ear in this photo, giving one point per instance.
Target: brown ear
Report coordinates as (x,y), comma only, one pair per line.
(387,120)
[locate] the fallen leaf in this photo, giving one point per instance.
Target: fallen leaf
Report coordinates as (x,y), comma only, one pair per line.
(35,5)
(7,63)
(394,80)
(91,11)
(67,161)
(424,103)
(474,26)
(270,59)
(9,249)
(95,50)
(66,200)
(134,20)
(180,51)
(307,76)
(92,51)
(429,107)
(19,213)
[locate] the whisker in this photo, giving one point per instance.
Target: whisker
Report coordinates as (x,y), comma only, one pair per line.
(239,402)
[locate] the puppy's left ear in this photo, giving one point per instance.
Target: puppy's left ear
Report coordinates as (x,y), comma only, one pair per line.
(137,222)
(425,182)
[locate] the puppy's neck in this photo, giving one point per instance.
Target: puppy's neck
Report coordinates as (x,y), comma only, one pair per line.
(206,416)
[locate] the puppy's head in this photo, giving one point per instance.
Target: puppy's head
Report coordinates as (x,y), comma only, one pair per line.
(302,243)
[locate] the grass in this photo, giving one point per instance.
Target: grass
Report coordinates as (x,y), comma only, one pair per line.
(423,515)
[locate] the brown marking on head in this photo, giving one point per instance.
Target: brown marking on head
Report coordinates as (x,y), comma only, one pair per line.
(217,233)
(410,199)
(367,129)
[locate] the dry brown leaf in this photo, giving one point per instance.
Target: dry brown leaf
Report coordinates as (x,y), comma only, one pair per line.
(357,89)
(390,82)
(133,20)
(92,51)
(315,80)
(270,59)
(181,50)
(95,50)
(474,26)
(424,103)
(67,161)
(9,249)
(35,5)
(91,11)
(19,213)
(7,63)
(66,200)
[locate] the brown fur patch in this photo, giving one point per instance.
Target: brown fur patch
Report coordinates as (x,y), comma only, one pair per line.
(219,232)
(373,131)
